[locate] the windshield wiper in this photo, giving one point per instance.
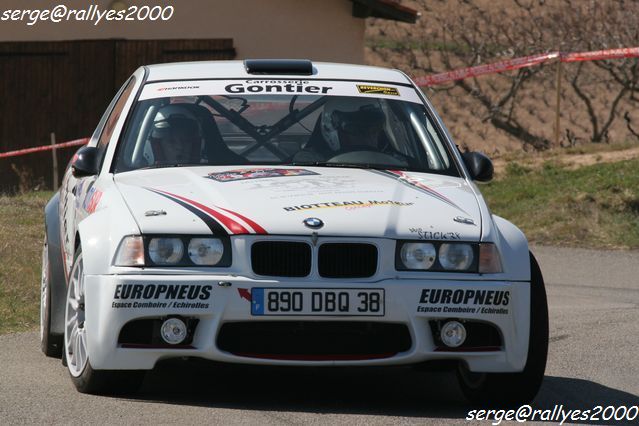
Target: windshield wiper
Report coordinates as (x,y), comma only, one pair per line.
(166,165)
(348,165)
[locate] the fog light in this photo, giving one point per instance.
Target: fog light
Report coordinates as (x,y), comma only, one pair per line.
(173,331)
(453,334)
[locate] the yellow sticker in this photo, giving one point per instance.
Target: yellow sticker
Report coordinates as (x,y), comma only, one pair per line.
(377,90)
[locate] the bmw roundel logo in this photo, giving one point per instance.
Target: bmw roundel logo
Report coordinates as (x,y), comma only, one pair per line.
(313,223)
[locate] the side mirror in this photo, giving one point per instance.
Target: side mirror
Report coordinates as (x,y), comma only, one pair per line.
(85,162)
(480,167)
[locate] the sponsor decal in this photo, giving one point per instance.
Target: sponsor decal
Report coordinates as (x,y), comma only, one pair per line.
(434,235)
(416,183)
(79,187)
(167,89)
(276,86)
(464,220)
(321,186)
(244,293)
(349,205)
(246,174)
(377,90)
(92,200)
(153,296)
(221,221)
(470,301)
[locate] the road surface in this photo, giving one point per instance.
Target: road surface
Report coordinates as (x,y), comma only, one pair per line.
(593,360)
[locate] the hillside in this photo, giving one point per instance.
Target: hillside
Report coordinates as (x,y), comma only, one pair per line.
(458,33)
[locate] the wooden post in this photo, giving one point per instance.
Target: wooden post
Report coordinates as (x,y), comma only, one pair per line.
(558,105)
(55,163)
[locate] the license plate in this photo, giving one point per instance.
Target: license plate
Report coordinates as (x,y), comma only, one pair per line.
(325,301)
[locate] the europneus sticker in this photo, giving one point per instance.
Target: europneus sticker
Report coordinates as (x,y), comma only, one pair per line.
(377,90)
(163,296)
(436,300)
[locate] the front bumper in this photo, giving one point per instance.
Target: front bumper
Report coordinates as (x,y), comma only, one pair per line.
(214,304)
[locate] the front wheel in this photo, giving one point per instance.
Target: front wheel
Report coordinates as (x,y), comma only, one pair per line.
(510,389)
(83,376)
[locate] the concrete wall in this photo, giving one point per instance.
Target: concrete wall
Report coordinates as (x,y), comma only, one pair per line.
(322,30)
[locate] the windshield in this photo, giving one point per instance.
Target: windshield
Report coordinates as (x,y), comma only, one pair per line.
(289,122)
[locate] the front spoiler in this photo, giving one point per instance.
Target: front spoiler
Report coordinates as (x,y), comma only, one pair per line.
(220,299)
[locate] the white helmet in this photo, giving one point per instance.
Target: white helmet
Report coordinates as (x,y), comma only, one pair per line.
(176,135)
(176,118)
(349,115)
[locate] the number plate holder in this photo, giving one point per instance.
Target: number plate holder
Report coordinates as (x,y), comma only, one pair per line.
(317,301)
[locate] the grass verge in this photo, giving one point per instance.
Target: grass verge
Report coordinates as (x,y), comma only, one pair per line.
(594,206)
(22,232)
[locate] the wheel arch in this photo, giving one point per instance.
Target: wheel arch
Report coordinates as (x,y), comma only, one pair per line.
(100,234)
(513,248)
(57,275)
(95,242)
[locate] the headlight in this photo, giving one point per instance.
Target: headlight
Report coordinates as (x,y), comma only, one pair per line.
(418,255)
(440,256)
(455,256)
(166,251)
(173,250)
(130,252)
(206,251)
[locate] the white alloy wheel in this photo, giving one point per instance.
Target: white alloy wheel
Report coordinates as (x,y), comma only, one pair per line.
(75,339)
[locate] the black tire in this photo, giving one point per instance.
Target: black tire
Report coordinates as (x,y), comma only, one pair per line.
(513,389)
(86,379)
(108,382)
(50,344)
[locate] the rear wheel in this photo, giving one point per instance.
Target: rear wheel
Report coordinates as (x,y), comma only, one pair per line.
(515,388)
(83,376)
(51,344)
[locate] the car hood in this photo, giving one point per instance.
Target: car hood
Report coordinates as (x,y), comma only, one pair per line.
(260,200)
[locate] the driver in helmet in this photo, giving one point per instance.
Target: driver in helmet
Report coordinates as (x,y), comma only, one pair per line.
(346,124)
(176,137)
(350,123)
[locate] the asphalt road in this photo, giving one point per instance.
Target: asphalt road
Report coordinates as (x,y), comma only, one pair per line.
(593,360)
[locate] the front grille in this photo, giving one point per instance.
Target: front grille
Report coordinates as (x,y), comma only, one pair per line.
(347,260)
(281,258)
(314,340)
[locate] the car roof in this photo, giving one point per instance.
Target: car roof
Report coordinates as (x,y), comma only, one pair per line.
(236,69)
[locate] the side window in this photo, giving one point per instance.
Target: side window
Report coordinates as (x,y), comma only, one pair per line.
(109,126)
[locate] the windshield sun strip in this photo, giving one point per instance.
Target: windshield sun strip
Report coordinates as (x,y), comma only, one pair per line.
(279,77)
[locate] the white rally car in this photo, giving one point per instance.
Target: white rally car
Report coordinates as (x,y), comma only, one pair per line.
(284,212)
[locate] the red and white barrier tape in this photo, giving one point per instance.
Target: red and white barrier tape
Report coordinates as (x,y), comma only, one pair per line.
(526,61)
(76,142)
(598,55)
(507,65)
